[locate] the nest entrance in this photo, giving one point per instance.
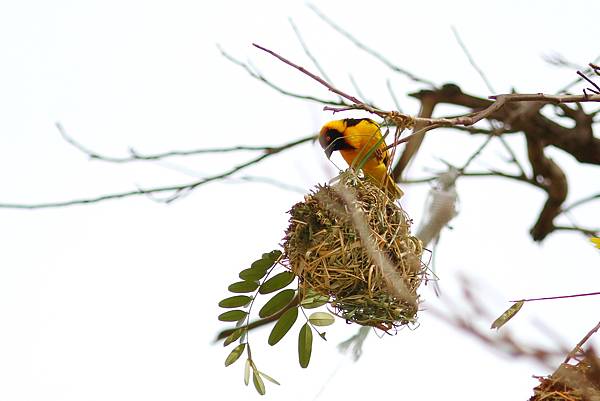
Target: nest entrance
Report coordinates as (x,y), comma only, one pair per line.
(371,281)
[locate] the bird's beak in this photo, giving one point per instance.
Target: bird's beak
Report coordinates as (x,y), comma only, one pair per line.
(325,143)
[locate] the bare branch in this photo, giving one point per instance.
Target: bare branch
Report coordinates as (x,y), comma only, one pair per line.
(320,80)
(576,81)
(588,232)
(585,338)
(393,95)
(176,190)
(358,91)
(368,50)
(469,119)
(136,156)
(279,89)
(587,294)
(513,156)
(476,153)
(472,60)
(276,183)
(581,202)
(308,52)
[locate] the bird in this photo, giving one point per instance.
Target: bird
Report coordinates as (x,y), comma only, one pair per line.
(354,138)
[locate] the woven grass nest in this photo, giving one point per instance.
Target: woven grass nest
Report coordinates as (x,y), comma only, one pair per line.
(579,382)
(350,242)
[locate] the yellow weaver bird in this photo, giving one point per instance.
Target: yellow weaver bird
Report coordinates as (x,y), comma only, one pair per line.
(354,138)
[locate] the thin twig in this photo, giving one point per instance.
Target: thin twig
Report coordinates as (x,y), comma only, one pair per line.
(358,91)
(388,84)
(595,85)
(279,89)
(580,343)
(558,297)
(472,60)
(308,52)
(177,190)
(588,232)
(576,81)
(136,156)
(476,153)
(581,202)
(270,181)
(368,50)
(317,78)
(512,155)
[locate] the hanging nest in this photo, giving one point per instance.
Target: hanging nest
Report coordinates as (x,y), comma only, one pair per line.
(580,382)
(351,243)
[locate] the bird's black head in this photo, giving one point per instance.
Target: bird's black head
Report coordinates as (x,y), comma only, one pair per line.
(331,137)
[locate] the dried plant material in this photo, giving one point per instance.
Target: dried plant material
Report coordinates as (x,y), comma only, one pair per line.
(507,315)
(351,243)
(580,382)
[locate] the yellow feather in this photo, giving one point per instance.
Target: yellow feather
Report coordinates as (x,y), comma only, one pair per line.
(354,138)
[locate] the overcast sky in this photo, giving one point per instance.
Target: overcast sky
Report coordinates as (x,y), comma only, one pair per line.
(118,300)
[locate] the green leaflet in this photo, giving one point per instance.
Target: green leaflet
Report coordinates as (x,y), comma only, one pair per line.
(243,286)
(235,301)
(252,274)
(235,354)
(283,325)
(233,336)
(259,384)
(276,282)
(232,315)
(277,303)
(305,339)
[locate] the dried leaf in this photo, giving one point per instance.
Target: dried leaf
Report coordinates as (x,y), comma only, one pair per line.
(233,336)
(247,371)
(258,382)
(506,316)
(269,378)
(321,319)
(235,354)
(313,300)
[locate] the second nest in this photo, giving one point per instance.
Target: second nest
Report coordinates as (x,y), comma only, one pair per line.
(352,244)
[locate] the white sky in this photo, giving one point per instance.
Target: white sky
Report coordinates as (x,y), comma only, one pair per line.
(117,301)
